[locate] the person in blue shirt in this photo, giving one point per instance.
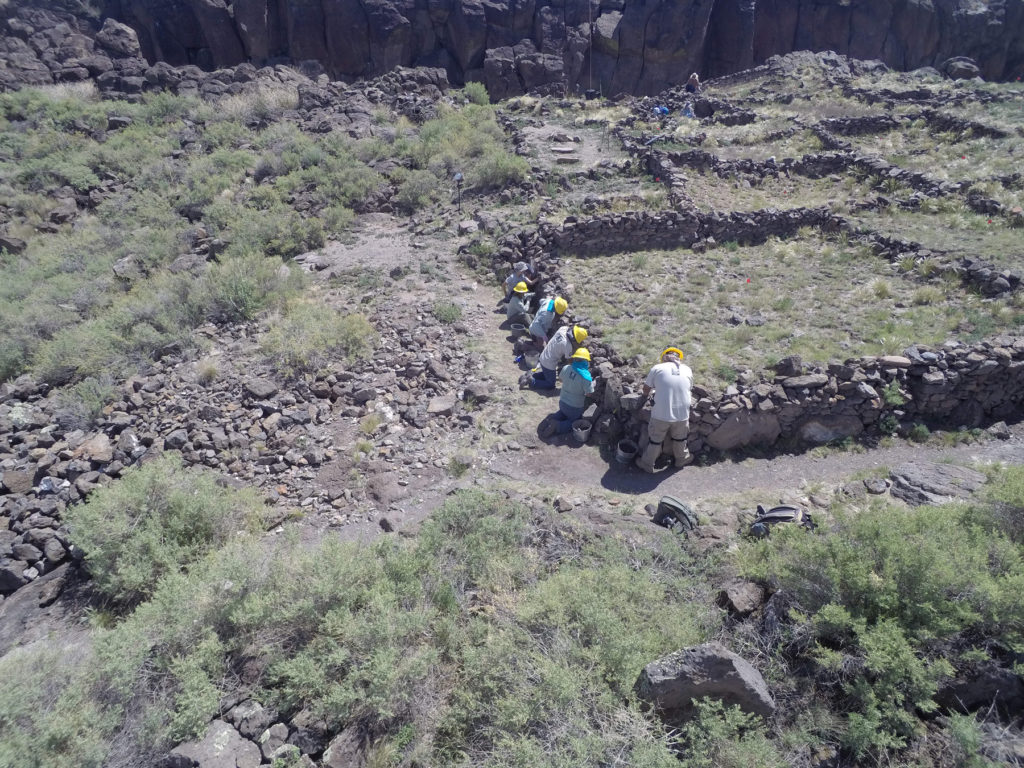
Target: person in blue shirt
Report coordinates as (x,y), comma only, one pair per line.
(549,309)
(577,383)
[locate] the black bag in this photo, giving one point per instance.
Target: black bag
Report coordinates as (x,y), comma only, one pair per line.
(674,514)
(785,513)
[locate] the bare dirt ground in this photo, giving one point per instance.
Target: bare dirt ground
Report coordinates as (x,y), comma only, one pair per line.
(589,145)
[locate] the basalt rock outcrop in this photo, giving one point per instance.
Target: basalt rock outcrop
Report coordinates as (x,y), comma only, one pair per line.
(617,46)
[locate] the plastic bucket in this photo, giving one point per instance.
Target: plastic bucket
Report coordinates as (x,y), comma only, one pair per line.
(581,430)
(518,329)
(625,451)
(531,359)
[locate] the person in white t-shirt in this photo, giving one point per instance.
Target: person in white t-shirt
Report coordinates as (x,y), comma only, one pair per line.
(670,381)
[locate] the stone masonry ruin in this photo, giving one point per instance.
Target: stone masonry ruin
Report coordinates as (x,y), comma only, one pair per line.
(955,385)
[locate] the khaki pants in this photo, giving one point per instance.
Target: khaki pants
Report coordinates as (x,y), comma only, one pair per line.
(657,430)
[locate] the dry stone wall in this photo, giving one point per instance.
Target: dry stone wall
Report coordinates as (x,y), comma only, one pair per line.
(954,385)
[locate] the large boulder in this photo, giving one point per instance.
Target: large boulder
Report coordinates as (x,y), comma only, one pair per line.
(922,482)
(345,751)
(220,747)
(960,68)
(988,687)
(745,428)
(119,39)
(710,670)
(828,427)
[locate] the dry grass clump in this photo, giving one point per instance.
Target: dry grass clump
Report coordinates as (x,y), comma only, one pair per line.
(82,91)
(262,102)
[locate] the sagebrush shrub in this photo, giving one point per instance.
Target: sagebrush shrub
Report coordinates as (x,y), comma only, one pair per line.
(309,334)
(156,520)
(885,587)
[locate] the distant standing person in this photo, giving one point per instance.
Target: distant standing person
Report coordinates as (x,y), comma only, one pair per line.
(671,382)
(577,383)
(693,84)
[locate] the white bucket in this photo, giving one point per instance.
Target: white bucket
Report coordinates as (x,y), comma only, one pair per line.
(581,430)
(625,451)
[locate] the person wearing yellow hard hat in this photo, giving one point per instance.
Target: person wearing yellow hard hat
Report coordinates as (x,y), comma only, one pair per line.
(545,318)
(563,343)
(518,310)
(671,381)
(577,383)
(521,273)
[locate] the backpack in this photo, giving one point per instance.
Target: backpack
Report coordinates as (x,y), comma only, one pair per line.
(785,513)
(674,514)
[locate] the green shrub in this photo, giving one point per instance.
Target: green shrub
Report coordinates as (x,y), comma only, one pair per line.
(499,168)
(726,737)
(1005,497)
(447,312)
(157,519)
(50,715)
(521,636)
(79,406)
(310,333)
(476,93)
(417,191)
(240,287)
(337,219)
(886,588)
(893,395)
(966,736)
(919,433)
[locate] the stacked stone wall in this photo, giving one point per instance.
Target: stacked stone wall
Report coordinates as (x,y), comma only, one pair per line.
(953,385)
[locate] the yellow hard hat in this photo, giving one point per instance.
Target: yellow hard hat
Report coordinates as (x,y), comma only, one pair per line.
(581,354)
(561,305)
(673,350)
(579,333)
(521,287)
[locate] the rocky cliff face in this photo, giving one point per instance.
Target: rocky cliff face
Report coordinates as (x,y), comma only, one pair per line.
(634,46)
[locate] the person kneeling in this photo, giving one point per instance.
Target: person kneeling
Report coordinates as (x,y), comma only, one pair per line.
(562,345)
(577,383)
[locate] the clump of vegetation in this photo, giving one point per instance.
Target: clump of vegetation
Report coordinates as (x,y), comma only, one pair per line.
(66,311)
(525,636)
(81,405)
(206,371)
(309,334)
(476,93)
(726,737)
(370,423)
(160,519)
(447,312)
(883,594)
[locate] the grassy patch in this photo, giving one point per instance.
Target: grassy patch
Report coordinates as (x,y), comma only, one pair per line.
(157,520)
(882,594)
(818,298)
(308,335)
